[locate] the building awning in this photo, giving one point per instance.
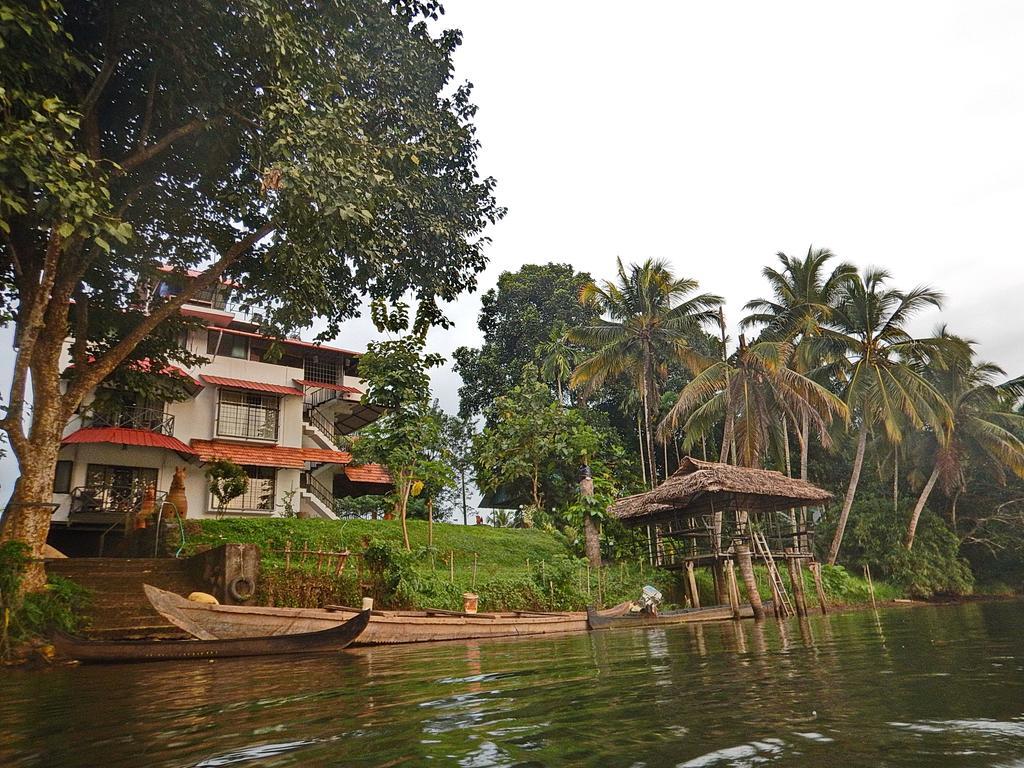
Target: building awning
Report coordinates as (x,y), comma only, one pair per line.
(332,387)
(251,386)
(142,438)
(368,473)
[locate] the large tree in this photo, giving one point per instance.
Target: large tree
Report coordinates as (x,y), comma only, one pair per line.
(648,318)
(516,316)
(804,293)
(983,426)
(308,152)
(872,356)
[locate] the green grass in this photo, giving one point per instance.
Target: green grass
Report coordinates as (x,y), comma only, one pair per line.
(498,551)
(515,568)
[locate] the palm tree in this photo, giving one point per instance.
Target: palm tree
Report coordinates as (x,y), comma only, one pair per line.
(983,423)
(803,296)
(647,317)
(557,357)
(753,393)
(872,355)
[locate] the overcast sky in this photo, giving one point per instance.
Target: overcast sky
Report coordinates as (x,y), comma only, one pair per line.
(714,134)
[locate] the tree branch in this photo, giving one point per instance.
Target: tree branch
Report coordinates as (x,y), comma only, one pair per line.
(89,102)
(140,156)
(102,368)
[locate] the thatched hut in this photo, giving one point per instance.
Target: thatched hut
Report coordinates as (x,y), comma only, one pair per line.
(707,513)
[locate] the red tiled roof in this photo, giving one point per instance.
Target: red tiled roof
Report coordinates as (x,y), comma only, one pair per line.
(368,473)
(268,455)
(334,387)
(124,436)
(253,386)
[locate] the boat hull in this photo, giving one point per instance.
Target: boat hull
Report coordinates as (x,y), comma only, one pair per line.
(384,627)
(598,620)
(330,640)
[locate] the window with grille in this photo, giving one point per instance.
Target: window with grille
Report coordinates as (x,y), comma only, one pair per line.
(323,370)
(258,497)
(247,414)
(117,488)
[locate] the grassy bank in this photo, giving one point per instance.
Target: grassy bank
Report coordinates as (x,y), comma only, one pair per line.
(509,568)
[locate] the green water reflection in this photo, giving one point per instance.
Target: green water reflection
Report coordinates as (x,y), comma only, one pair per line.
(923,686)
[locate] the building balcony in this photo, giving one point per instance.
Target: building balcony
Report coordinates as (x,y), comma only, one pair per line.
(149,419)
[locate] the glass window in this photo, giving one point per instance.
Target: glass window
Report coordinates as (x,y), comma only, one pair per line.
(227,344)
(259,497)
(62,478)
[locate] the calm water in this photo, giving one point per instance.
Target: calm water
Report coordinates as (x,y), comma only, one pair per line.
(937,686)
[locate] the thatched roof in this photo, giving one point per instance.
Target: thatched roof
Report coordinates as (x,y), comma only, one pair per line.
(699,487)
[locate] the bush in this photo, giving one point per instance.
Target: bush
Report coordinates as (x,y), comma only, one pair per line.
(36,615)
(934,566)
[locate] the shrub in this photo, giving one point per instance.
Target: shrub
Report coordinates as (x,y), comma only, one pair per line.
(934,566)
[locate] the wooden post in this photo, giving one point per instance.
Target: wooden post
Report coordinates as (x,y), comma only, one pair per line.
(451,564)
(819,587)
(305,553)
(871,585)
(691,580)
(796,580)
(474,569)
(288,555)
(717,572)
(733,589)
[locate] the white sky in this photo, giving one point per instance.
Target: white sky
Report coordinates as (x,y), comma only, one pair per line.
(714,134)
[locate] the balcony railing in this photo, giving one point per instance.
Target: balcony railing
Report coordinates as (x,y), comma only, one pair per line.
(150,419)
(248,421)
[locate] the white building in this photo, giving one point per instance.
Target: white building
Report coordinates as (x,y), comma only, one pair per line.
(275,407)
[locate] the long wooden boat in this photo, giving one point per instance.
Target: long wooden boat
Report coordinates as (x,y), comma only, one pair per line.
(385,627)
(602,620)
(329,640)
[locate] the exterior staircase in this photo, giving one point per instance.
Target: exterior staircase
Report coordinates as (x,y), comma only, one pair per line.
(118,607)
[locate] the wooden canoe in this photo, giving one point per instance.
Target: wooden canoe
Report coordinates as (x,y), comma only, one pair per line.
(385,627)
(602,620)
(325,641)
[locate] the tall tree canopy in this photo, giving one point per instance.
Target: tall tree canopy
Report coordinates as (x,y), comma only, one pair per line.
(308,152)
(517,316)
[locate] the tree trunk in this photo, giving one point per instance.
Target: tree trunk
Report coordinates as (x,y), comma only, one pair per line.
(919,507)
(465,513)
(805,436)
(640,445)
(430,523)
(895,479)
(851,491)
(405,506)
(28,513)
(591,537)
(746,564)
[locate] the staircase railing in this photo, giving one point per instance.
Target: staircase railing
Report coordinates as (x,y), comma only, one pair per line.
(322,423)
(320,491)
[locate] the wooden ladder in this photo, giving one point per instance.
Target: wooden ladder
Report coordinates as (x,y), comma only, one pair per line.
(761,549)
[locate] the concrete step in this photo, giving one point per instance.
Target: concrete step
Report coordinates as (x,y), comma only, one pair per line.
(118,604)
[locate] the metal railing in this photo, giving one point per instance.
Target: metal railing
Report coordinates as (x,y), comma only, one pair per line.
(150,419)
(245,420)
(322,423)
(321,491)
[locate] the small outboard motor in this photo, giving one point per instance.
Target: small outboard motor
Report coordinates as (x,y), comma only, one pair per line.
(650,599)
